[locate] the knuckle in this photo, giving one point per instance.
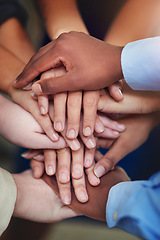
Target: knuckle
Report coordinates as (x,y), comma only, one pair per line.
(90,102)
(107,162)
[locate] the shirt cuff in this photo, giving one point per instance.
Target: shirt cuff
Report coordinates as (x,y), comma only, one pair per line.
(8,194)
(140,64)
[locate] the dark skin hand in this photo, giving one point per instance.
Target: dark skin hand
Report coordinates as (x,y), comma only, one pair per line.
(90,64)
(96,206)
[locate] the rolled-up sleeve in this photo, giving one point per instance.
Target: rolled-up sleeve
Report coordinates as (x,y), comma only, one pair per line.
(140,62)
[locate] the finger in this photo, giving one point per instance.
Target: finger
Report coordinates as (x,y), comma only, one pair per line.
(37,168)
(115,91)
(99,127)
(104,143)
(110,123)
(33,153)
(92,178)
(59,111)
(74,103)
(30,71)
(63,175)
(64,162)
(98,155)
(50,161)
(41,141)
(90,105)
(80,189)
(77,163)
(108,133)
(117,151)
(43,104)
(89,157)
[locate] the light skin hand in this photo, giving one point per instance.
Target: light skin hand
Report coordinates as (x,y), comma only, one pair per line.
(127,142)
(20,128)
(77,59)
(133,102)
(24,99)
(96,205)
(73,100)
(37,201)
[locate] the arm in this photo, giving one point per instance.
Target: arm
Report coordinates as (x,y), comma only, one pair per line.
(137,19)
(137,208)
(61,16)
(8,194)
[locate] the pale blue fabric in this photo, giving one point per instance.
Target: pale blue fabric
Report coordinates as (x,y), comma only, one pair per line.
(140,62)
(135,207)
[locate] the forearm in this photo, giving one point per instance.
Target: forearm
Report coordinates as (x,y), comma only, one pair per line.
(61,16)
(15,39)
(138,19)
(10,67)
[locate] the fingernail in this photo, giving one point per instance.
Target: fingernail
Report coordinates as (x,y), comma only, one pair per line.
(91,143)
(77,173)
(66,199)
(28,86)
(71,134)
(59,127)
(120,92)
(35,171)
(43,110)
(54,137)
(83,196)
(87,131)
(25,154)
(121,127)
(34,95)
(75,145)
(63,178)
(99,171)
(37,88)
(88,163)
(39,157)
(99,128)
(116,133)
(50,170)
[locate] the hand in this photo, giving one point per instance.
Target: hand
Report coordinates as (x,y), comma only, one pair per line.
(73,101)
(19,127)
(133,102)
(137,130)
(25,100)
(91,64)
(36,201)
(96,205)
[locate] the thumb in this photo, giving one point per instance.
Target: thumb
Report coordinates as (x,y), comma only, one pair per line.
(109,160)
(55,85)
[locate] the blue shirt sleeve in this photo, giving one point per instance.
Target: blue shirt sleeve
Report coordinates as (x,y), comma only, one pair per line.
(140,62)
(135,207)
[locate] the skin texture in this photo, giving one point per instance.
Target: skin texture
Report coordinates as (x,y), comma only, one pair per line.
(126,143)
(47,209)
(19,127)
(95,207)
(77,59)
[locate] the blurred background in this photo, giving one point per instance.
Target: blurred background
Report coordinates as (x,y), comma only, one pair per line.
(140,164)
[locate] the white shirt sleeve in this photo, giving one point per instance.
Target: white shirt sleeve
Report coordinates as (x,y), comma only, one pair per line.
(8,193)
(140,62)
